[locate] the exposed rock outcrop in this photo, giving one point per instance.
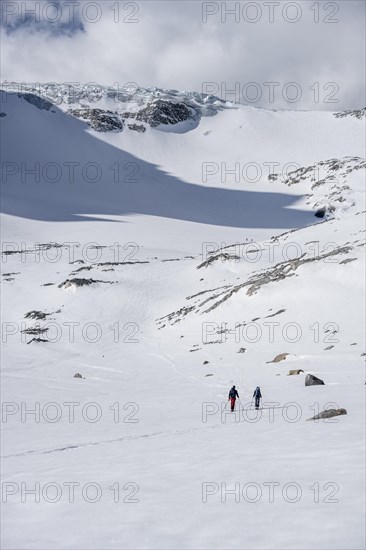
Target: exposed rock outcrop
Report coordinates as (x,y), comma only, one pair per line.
(99,120)
(37,101)
(39,315)
(81,282)
(162,112)
(356,113)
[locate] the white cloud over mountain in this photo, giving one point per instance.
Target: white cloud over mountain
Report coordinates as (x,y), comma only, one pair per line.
(187,44)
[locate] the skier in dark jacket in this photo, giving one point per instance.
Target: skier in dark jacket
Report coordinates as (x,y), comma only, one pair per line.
(233,394)
(258,396)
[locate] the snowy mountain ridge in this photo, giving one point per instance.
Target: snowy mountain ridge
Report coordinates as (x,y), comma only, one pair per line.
(101,105)
(109,108)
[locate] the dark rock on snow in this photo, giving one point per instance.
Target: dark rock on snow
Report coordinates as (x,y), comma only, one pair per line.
(81,282)
(36,315)
(37,101)
(357,113)
(328,413)
(162,112)
(312,380)
(34,330)
(37,340)
(99,120)
(279,357)
(137,127)
(320,213)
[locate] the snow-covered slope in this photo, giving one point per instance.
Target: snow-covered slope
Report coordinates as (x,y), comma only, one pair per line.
(137,259)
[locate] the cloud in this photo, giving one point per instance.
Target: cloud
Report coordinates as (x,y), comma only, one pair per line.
(49,18)
(254,48)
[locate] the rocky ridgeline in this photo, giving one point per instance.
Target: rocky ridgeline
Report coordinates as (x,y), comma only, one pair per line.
(154,114)
(36,100)
(328,178)
(322,172)
(206,301)
(106,109)
(357,113)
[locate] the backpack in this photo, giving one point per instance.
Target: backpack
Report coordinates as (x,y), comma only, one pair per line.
(232,393)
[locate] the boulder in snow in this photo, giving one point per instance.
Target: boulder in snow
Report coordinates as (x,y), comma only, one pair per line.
(137,127)
(279,357)
(328,413)
(312,380)
(320,213)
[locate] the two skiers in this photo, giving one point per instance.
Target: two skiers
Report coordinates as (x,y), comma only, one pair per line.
(258,396)
(233,394)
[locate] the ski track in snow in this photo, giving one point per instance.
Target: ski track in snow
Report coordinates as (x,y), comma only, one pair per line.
(108,441)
